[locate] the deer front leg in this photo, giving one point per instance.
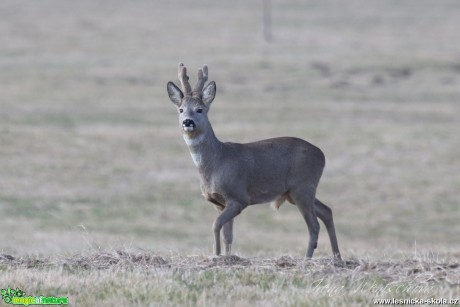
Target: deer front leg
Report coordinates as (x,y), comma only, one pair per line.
(231,210)
(228,237)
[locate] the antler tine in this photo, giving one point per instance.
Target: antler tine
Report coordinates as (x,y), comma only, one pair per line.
(202,78)
(183,78)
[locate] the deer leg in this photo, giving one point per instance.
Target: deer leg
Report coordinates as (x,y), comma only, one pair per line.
(306,204)
(228,237)
(325,214)
(313,228)
(231,210)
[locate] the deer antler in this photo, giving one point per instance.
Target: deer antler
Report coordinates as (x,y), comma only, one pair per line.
(202,78)
(183,78)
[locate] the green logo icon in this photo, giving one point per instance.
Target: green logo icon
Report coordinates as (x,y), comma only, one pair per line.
(18,297)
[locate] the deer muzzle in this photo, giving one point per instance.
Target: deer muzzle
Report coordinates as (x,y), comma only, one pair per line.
(188,125)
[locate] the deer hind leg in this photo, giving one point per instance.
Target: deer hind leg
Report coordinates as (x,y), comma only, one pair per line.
(231,210)
(304,199)
(325,214)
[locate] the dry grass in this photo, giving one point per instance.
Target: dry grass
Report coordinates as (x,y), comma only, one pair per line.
(141,278)
(91,156)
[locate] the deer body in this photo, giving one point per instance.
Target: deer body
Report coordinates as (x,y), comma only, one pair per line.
(243,174)
(234,176)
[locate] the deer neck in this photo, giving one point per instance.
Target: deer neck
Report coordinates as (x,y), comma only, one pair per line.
(205,149)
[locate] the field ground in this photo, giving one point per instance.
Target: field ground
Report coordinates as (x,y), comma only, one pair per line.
(127,278)
(92,161)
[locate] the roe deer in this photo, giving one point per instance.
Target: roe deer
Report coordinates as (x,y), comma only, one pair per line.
(234,176)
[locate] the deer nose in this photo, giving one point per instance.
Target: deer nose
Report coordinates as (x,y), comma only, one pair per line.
(188,124)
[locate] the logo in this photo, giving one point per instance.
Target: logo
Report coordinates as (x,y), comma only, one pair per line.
(18,297)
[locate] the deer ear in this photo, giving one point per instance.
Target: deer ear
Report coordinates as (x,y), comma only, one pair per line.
(209,93)
(175,94)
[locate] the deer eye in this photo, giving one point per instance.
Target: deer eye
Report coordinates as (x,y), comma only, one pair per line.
(199,111)
(181,110)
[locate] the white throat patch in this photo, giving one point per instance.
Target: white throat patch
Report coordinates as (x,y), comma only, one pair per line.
(196,157)
(193,141)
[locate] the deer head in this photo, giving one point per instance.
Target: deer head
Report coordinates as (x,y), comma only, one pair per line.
(192,105)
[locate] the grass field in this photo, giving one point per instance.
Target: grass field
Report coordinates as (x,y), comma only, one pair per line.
(100,200)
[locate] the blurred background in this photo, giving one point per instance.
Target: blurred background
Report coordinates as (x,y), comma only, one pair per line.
(91,155)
